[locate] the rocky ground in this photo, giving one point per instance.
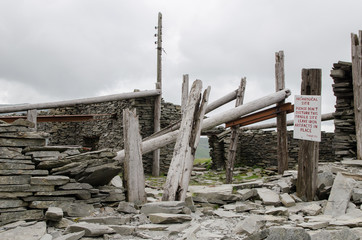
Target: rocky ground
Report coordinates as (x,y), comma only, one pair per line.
(259,205)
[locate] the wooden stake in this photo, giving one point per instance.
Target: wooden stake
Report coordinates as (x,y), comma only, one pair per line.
(182,161)
(133,174)
(282,142)
(185,92)
(158,99)
(357,88)
(234,136)
(309,150)
(32,116)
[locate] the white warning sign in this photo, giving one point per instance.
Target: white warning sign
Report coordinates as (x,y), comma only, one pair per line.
(307,117)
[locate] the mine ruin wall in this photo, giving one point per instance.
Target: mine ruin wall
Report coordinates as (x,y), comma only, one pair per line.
(259,148)
(107,131)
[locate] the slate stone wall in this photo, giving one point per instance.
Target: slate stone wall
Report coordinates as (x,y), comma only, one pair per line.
(107,131)
(259,148)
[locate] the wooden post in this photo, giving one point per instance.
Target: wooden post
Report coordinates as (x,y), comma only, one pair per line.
(158,99)
(32,116)
(282,142)
(357,88)
(234,136)
(133,175)
(309,150)
(185,92)
(179,173)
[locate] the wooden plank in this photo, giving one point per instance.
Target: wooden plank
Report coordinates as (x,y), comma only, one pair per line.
(185,92)
(282,139)
(67,103)
(308,150)
(357,88)
(173,187)
(133,174)
(226,116)
(234,136)
(261,115)
(32,116)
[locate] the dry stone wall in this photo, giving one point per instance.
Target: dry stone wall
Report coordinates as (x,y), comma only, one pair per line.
(34,177)
(258,148)
(107,131)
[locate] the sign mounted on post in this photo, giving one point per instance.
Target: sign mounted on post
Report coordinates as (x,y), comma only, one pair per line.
(307,117)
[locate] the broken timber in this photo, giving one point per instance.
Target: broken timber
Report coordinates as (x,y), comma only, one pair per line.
(133,175)
(179,173)
(234,136)
(226,116)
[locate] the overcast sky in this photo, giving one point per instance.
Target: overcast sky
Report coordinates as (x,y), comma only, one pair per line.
(67,49)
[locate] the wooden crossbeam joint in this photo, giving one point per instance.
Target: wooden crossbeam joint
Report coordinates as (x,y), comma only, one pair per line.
(261,115)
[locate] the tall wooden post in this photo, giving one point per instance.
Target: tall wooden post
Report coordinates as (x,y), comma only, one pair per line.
(32,116)
(133,174)
(282,143)
(185,92)
(157,113)
(309,150)
(357,88)
(234,136)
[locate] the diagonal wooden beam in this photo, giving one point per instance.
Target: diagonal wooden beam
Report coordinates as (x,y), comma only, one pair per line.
(262,115)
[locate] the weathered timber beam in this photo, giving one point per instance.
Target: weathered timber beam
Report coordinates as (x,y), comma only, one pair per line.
(226,116)
(325,117)
(67,103)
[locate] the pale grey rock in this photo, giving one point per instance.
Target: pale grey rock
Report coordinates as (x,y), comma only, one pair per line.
(107,220)
(169,218)
(343,234)
(49,180)
(247,206)
(246,193)
(31,232)
(123,229)
(249,185)
(287,233)
(277,211)
(287,200)
(41,154)
(117,182)
(163,207)
(296,218)
(357,195)
(76,186)
(54,214)
(78,209)
(47,237)
(313,225)
(225,214)
(81,194)
(206,235)
(268,196)
(6,165)
(96,177)
(284,187)
(340,195)
(71,236)
(312,209)
(250,225)
(190,203)
(325,179)
(10,152)
(174,229)
(190,232)
(91,230)
(126,207)
(353,163)
(217,194)
(153,227)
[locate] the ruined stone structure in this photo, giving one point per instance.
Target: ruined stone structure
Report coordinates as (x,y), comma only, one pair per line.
(258,148)
(106,132)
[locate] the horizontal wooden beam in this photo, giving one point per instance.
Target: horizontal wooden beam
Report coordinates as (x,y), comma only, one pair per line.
(262,115)
(67,103)
(58,118)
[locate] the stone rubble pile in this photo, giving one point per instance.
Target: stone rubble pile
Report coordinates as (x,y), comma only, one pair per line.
(265,208)
(34,177)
